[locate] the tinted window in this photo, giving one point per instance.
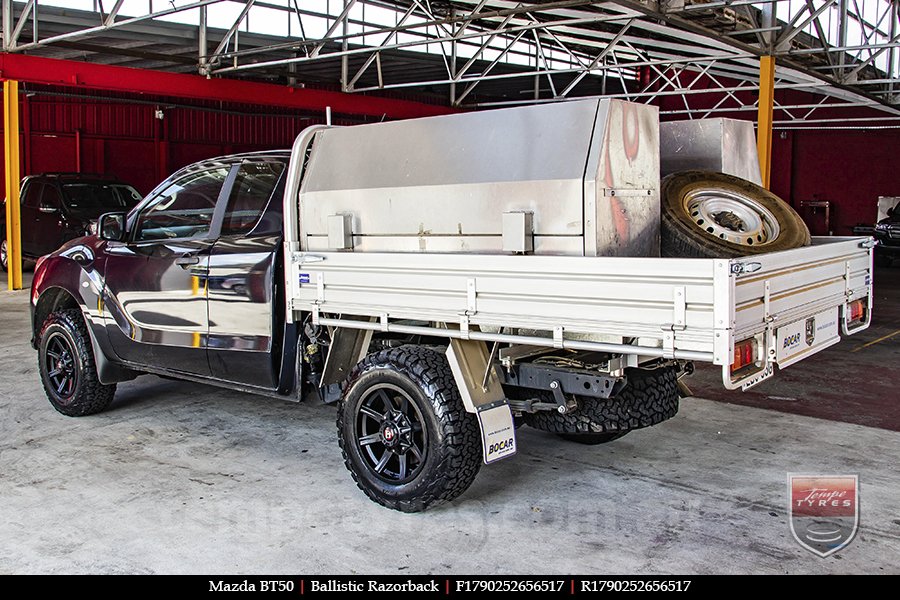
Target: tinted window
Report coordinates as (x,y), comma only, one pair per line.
(50,198)
(129,196)
(90,200)
(184,209)
(32,195)
(250,195)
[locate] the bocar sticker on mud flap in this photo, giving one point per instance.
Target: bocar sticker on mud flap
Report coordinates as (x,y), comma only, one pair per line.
(498,432)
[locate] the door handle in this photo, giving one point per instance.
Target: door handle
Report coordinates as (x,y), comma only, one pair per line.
(186,261)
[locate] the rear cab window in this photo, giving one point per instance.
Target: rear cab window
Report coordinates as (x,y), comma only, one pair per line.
(250,195)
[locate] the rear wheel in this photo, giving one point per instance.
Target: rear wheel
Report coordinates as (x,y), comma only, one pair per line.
(66,363)
(4,258)
(714,215)
(405,436)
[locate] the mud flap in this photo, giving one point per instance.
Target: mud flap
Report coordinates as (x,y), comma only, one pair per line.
(482,394)
(498,432)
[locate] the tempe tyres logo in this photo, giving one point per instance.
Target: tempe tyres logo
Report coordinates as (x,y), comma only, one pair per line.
(824,511)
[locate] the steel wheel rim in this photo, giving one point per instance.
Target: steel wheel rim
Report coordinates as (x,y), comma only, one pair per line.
(61,367)
(390,434)
(3,253)
(732,216)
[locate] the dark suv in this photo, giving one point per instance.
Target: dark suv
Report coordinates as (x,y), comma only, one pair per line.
(58,207)
(887,232)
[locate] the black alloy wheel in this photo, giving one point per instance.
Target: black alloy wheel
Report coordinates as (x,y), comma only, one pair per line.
(68,367)
(390,434)
(406,437)
(61,364)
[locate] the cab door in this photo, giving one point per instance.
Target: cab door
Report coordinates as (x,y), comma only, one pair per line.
(48,225)
(156,282)
(31,216)
(245,307)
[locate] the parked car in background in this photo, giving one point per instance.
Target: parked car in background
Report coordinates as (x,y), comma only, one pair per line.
(58,207)
(887,232)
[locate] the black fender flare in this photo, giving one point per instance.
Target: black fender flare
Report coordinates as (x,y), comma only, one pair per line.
(61,282)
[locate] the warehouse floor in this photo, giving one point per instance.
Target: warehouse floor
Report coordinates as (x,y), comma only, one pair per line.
(180,477)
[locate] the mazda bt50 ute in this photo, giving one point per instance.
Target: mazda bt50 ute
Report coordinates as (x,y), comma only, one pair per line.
(445,280)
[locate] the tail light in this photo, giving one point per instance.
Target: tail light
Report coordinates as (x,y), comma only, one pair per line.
(744,354)
(856,310)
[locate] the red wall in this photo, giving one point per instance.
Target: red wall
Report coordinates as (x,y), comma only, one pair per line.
(850,169)
(122,136)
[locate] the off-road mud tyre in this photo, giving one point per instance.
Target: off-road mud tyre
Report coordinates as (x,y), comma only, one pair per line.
(67,366)
(688,198)
(649,397)
(447,438)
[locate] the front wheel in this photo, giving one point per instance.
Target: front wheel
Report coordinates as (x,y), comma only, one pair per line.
(405,436)
(66,363)
(3,255)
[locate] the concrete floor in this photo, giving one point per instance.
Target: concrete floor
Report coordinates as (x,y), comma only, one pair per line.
(183,478)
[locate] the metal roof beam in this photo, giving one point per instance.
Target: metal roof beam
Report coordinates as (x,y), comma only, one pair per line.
(102,28)
(600,18)
(226,39)
(608,67)
(374,56)
(793,31)
(23,18)
(596,62)
(489,68)
(83,75)
(296,45)
(111,17)
(894,41)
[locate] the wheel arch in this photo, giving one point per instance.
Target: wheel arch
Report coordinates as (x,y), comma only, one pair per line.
(53,298)
(50,300)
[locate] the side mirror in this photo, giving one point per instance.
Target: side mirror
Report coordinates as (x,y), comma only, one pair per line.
(48,210)
(111,227)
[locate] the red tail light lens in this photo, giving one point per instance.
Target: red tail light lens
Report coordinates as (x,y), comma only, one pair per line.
(856,310)
(744,354)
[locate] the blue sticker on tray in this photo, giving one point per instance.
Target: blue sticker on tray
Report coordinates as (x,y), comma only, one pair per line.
(304,278)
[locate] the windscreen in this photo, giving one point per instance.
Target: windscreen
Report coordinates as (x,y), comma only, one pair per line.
(90,200)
